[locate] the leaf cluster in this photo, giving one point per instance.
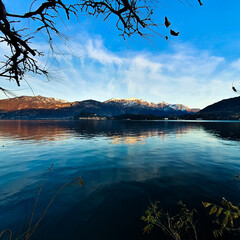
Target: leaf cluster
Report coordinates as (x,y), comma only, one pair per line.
(179,226)
(225,215)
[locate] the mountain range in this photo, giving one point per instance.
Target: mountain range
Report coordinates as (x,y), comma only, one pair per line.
(38,107)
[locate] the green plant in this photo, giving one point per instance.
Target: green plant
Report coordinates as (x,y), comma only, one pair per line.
(179,226)
(225,215)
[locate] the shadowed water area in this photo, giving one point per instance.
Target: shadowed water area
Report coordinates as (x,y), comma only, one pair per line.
(125,165)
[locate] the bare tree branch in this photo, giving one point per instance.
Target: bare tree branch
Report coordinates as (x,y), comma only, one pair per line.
(132,18)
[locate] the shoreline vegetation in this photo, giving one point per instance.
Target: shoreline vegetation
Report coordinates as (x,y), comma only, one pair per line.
(132,117)
(124,119)
(140,117)
(93,116)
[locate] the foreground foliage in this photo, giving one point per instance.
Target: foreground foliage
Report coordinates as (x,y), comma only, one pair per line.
(179,226)
(225,217)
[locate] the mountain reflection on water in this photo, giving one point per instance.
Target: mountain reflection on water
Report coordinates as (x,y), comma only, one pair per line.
(128,132)
(224,130)
(124,166)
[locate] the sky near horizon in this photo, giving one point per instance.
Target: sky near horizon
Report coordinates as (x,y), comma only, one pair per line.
(196,69)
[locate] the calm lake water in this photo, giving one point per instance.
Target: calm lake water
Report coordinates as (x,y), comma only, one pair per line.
(124,166)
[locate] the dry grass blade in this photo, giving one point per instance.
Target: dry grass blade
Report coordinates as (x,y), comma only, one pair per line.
(6,231)
(32,227)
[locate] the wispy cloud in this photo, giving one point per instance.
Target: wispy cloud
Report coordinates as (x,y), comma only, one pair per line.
(185,75)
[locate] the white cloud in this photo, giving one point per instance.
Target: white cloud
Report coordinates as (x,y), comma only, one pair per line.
(236,64)
(96,51)
(186,75)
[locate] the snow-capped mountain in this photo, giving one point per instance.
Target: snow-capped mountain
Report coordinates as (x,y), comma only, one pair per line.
(130,102)
(39,107)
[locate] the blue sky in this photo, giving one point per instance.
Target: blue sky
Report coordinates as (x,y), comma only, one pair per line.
(196,69)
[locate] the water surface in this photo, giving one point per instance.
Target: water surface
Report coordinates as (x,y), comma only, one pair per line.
(124,166)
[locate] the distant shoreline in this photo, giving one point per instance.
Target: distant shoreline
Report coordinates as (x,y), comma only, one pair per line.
(139,120)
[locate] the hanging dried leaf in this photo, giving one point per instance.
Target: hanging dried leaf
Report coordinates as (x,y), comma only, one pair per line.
(200,2)
(174,33)
(167,23)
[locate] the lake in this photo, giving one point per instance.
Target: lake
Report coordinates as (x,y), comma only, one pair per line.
(124,165)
